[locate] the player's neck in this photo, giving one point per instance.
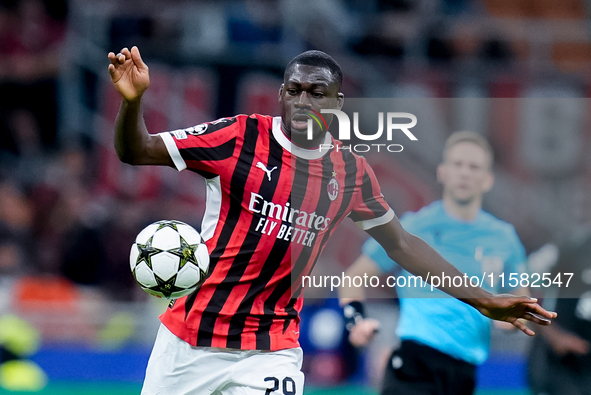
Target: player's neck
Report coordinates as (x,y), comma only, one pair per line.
(309,144)
(463,212)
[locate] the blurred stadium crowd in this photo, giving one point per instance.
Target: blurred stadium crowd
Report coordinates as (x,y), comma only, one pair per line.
(69,210)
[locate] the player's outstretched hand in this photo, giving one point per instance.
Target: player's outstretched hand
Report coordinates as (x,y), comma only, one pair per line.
(515,309)
(129,73)
(363,332)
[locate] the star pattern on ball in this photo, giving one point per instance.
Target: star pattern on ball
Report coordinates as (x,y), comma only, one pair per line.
(146,252)
(167,224)
(186,252)
(166,287)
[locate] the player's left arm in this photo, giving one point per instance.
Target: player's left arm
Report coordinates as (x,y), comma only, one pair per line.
(417,257)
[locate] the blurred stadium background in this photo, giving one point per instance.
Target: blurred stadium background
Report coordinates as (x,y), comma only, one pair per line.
(516,71)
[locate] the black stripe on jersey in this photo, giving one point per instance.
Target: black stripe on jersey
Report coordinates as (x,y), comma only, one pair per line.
(322,207)
(291,312)
(190,301)
(280,248)
(238,182)
(217,125)
(269,268)
(369,200)
(350,181)
(348,191)
(263,340)
(204,174)
(247,249)
(221,152)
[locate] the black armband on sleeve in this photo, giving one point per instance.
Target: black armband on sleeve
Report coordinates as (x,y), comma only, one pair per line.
(353,313)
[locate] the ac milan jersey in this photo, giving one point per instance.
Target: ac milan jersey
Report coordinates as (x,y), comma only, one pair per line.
(271,208)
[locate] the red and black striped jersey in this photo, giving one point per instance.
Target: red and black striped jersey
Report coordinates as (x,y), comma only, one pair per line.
(271,208)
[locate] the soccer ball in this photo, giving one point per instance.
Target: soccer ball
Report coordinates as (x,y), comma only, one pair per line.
(169,259)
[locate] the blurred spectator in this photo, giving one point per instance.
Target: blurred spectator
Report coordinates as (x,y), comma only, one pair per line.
(128,217)
(496,50)
(31,34)
(456,7)
(15,210)
(16,219)
(439,48)
(376,44)
(466,41)
(254,22)
(11,257)
(396,5)
(322,24)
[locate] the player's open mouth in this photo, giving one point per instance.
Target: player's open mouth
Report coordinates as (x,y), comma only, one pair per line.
(300,121)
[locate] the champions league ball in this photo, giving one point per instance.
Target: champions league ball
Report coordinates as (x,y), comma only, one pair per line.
(169,259)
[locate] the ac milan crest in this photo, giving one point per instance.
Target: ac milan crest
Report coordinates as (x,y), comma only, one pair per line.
(333,189)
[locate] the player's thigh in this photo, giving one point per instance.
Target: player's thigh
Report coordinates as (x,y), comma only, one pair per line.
(269,373)
(175,367)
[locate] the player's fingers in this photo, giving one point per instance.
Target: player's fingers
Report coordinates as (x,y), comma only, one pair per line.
(122,56)
(137,58)
(113,58)
(539,310)
(522,327)
(536,319)
(125,52)
(114,73)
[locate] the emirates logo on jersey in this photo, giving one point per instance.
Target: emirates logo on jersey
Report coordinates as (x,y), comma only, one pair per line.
(333,189)
(296,226)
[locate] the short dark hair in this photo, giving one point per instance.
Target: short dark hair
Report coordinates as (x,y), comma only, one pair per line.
(318,59)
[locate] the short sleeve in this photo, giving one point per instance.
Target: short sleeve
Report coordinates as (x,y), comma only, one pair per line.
(204,147)
(370,209)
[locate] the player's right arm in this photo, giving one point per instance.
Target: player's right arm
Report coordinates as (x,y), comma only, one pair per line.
(134,145)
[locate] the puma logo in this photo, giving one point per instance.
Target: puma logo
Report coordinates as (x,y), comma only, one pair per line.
(264,168)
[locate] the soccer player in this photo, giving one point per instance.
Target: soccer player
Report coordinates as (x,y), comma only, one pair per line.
(442,339)
(273,200)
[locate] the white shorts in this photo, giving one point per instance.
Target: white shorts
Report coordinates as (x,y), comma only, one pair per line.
(177,368)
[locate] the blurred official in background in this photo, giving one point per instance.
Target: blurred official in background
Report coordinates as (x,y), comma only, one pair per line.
(443,339)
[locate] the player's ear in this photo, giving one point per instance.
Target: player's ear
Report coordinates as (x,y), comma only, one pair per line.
(340,100)
(280,95)
(488,182)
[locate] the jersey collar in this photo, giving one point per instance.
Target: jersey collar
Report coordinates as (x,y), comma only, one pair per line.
(308,154)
